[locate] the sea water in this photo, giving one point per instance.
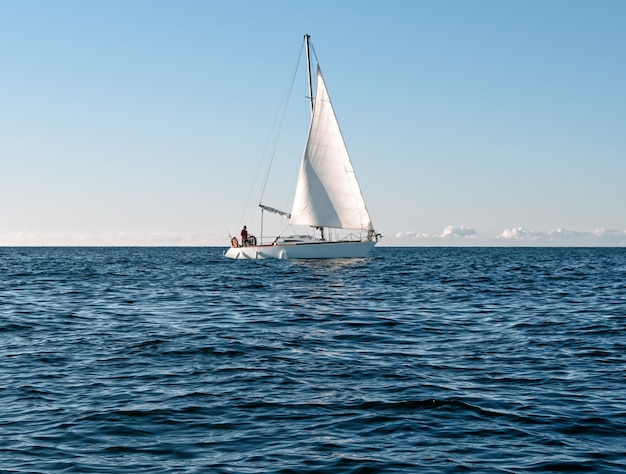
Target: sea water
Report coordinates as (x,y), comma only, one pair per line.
(149,360)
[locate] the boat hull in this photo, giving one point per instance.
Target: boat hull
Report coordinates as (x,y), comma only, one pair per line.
(303,250)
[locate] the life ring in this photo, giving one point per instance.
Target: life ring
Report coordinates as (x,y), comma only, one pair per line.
(252,240)
(234,242)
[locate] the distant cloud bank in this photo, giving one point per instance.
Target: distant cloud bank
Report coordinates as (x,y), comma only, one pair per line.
(565,236)
(520,236)
(452,236)
(120,239)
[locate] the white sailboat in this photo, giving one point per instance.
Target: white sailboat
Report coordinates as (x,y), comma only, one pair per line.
(328,198)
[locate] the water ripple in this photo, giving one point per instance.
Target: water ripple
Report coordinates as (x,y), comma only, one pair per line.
(425,360)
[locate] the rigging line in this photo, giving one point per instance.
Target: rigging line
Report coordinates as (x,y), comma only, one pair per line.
(227,229)
(282,115)
(312,48)
(282,111)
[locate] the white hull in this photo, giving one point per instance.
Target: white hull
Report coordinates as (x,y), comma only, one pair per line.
(303,250)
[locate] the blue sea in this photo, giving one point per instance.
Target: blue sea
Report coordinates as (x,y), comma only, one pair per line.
(429,360)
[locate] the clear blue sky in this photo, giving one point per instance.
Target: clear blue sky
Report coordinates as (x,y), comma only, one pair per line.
(468,122)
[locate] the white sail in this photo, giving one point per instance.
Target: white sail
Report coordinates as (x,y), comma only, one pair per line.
(327,193)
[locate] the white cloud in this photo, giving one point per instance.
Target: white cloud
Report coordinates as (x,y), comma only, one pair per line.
(609,233)
(402,235)
(521,233)
(462,232)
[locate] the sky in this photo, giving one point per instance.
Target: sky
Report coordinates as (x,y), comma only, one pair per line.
(152,122)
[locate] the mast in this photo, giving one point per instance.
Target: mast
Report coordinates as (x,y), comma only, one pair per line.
(308,68)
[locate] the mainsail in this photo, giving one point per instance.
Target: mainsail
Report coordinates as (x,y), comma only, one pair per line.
(327,193)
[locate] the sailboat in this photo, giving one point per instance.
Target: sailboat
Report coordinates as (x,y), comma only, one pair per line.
(328,198)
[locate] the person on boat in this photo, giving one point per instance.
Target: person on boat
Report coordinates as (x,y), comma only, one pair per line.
(244,237)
